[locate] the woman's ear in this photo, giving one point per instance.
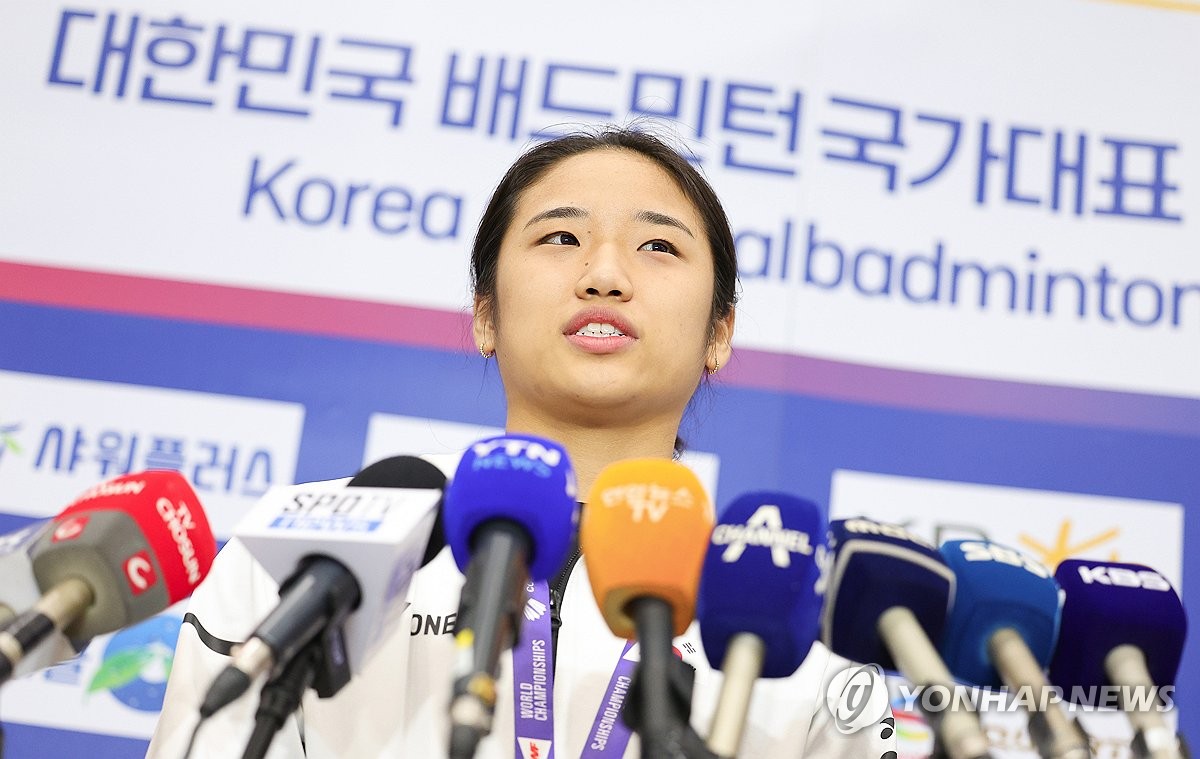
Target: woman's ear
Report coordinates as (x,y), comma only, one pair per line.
(483,326)
(721,346)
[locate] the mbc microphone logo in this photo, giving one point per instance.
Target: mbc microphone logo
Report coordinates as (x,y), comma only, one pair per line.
(857,698)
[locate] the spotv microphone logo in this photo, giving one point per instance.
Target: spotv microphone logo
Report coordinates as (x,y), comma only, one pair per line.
(857,698)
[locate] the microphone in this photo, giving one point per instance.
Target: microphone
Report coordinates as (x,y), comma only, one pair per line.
(645,531)
(510,516)
(343,558)
(760,600)
(123,551)
(1002,630)
(887,602)
(1124,626)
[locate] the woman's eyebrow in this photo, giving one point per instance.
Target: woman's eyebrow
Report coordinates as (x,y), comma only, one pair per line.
(562,212)
(654,217)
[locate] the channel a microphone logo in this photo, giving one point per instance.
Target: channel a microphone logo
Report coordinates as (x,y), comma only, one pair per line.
(857,698)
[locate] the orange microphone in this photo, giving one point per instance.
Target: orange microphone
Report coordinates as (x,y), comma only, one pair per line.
(644,534)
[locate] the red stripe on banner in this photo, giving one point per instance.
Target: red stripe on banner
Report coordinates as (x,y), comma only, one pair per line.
(237,306)
(448,330)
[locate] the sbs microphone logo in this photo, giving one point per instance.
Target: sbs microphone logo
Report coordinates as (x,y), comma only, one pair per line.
(857,698)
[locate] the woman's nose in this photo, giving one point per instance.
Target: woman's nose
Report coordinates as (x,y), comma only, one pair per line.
(605,274)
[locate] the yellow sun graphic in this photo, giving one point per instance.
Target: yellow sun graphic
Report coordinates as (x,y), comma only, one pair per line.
(1063,548)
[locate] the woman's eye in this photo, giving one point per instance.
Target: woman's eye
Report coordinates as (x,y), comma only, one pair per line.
(561,238)
(659,246)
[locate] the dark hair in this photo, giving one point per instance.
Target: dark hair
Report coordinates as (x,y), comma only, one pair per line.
(536,161)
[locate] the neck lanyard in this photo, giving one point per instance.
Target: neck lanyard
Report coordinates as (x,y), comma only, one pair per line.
(533,690)
(533,678)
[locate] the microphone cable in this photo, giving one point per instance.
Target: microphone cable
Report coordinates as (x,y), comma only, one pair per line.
(280,697)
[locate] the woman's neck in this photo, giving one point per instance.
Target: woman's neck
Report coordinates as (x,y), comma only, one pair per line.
(592,448)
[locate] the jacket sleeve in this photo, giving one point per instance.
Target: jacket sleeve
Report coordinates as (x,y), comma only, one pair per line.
(224,610)
(872,734)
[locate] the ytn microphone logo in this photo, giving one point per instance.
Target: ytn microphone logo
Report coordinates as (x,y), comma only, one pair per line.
(763,528)
(69,529)
(857,697)
(139,572)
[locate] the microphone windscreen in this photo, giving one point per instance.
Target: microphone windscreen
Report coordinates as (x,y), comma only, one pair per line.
(645,530)
(522,479)
(142,541)
(1107,604)
(761,576)
(413,473)
(996,587)
(877,566)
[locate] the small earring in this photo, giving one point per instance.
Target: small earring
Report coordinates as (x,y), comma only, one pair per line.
(485,353)
(716,366)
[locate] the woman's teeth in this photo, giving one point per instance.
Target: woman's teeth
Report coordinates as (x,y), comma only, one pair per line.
(600,330)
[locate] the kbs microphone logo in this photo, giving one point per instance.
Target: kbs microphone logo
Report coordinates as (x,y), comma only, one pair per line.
(647,500)
(763,528)
(139,573)
(1121,577)
(69,529)
(857,698)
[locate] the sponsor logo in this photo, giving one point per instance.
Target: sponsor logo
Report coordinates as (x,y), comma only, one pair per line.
(1063,547)
(534,748)
(179,522)
(534,609)
(136,662)
(857,698)
(8,440)
(69,529)
(139,572)
(763,528)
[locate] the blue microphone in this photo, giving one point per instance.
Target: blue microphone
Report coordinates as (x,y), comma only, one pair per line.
(510,515)
(1002,630)
(760,600)
(1122,625)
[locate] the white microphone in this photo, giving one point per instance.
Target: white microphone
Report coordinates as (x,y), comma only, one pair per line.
(344,557)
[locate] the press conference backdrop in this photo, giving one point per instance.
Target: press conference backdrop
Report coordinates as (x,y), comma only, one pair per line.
(234,242)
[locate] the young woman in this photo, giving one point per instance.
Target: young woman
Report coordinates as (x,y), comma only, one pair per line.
(605,279)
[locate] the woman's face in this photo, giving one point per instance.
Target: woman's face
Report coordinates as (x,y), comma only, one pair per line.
(603,294)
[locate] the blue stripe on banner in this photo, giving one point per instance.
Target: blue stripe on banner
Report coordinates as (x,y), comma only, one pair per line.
(765,439)
(32,742)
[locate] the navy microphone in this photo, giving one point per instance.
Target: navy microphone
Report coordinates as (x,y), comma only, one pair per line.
(760,600)
(510,516)
(888,600)
(1123,625)
(343,557)
(1002,631)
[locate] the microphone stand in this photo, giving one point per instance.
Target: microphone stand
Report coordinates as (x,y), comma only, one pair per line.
(321,665)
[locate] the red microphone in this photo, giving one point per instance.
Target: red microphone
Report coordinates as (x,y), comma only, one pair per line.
(123,551)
